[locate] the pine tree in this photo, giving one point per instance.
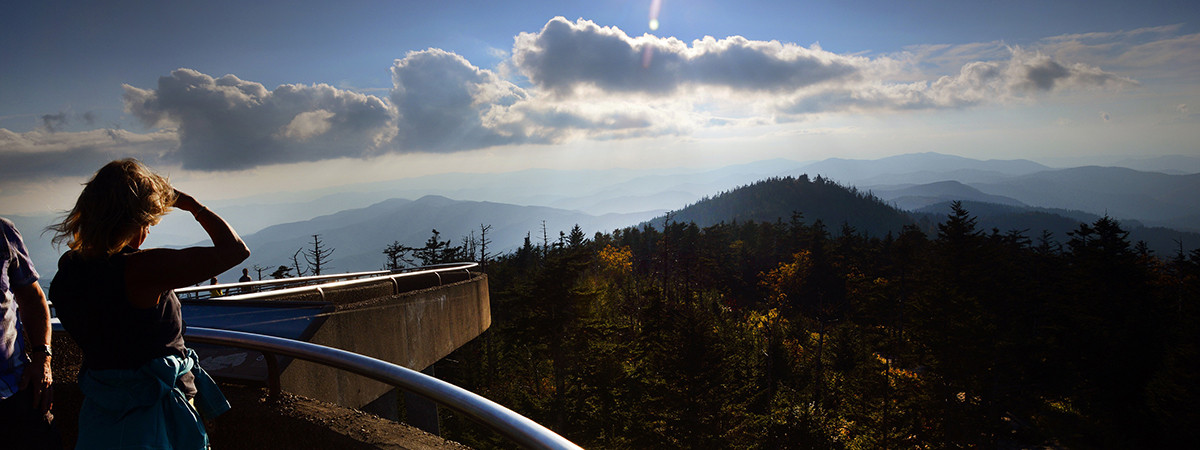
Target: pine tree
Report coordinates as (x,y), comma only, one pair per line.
(281,273)
(398,256)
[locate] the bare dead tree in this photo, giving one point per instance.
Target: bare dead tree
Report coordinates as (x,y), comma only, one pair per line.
(259,269)
(296,263)
(319,255)
(483,244)
(545,241)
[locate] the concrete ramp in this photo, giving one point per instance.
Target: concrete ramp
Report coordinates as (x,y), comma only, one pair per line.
(409,319)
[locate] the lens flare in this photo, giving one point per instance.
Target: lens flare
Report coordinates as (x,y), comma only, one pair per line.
(648,51)
(655,7)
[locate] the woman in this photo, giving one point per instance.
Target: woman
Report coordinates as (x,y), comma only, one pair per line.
(117,302)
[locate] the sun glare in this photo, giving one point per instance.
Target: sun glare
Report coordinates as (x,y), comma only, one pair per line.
(655,7)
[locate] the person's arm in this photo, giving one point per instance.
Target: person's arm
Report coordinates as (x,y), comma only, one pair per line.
(35,316)
(149,273)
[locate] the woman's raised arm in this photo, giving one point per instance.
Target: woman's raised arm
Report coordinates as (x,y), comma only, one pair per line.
(150,273)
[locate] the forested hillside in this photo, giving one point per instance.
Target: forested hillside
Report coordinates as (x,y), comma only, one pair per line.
(778,199)
(785,334)
(1054,224)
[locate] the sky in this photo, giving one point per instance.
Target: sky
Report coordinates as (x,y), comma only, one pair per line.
(238,98)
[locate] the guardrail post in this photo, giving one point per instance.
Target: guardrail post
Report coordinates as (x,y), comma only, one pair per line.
(274,391)
(421,411)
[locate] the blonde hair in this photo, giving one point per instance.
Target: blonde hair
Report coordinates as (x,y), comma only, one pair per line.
(121,199)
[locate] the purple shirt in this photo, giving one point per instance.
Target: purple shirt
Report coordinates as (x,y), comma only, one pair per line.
(16,270)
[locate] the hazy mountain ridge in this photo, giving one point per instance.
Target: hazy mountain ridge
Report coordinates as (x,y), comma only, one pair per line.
(600,192)
(913,181)
(777,199)
(1155,198)
(359,236)
(1119,192)
(1169,164)
(917,166)
(919,196)
(1031,222)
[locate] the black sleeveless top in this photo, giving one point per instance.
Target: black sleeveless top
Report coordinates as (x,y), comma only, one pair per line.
(90,300)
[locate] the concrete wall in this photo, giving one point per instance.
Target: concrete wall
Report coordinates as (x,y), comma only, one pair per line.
(413,329)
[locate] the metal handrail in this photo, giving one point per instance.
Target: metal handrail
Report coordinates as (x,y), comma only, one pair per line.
(290,284)
(293,281)
(514,426)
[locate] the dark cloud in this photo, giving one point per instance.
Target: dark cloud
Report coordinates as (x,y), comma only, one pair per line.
(1042,75)
(79,162)
(39,154)
(229,124)
(1038,72)
(566,55)
(58,121)
(54,122)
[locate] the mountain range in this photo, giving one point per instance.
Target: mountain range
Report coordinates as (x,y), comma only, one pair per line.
(515,203)
(358,236)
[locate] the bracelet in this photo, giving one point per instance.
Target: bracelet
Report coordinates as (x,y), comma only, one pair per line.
(43,349)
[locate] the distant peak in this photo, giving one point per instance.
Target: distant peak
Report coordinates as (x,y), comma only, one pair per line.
(434,198)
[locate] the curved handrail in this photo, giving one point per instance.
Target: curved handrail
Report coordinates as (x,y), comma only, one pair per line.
(503,420)
(202,292)
(267,284)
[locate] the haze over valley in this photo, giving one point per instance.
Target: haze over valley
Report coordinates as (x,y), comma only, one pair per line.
(360,220)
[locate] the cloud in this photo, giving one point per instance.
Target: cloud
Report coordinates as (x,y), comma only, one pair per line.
(307,125)
(229,124)
(1184,112)
(58,121)
(439,102)
(1154,52)
(923,62)
(444,103)
(54,122)
(583,60)
(39,153)
(1038,72)
(1023,75)
(570,80)
(565,56)
(442,100)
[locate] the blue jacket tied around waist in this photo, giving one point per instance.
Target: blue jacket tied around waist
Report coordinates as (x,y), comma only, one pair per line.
(143,409)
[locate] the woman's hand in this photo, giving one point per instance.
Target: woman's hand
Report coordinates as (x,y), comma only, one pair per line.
(149,273)
(186,202)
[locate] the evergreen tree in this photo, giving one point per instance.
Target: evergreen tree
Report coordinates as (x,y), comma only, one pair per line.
(281,273)
(398,256)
